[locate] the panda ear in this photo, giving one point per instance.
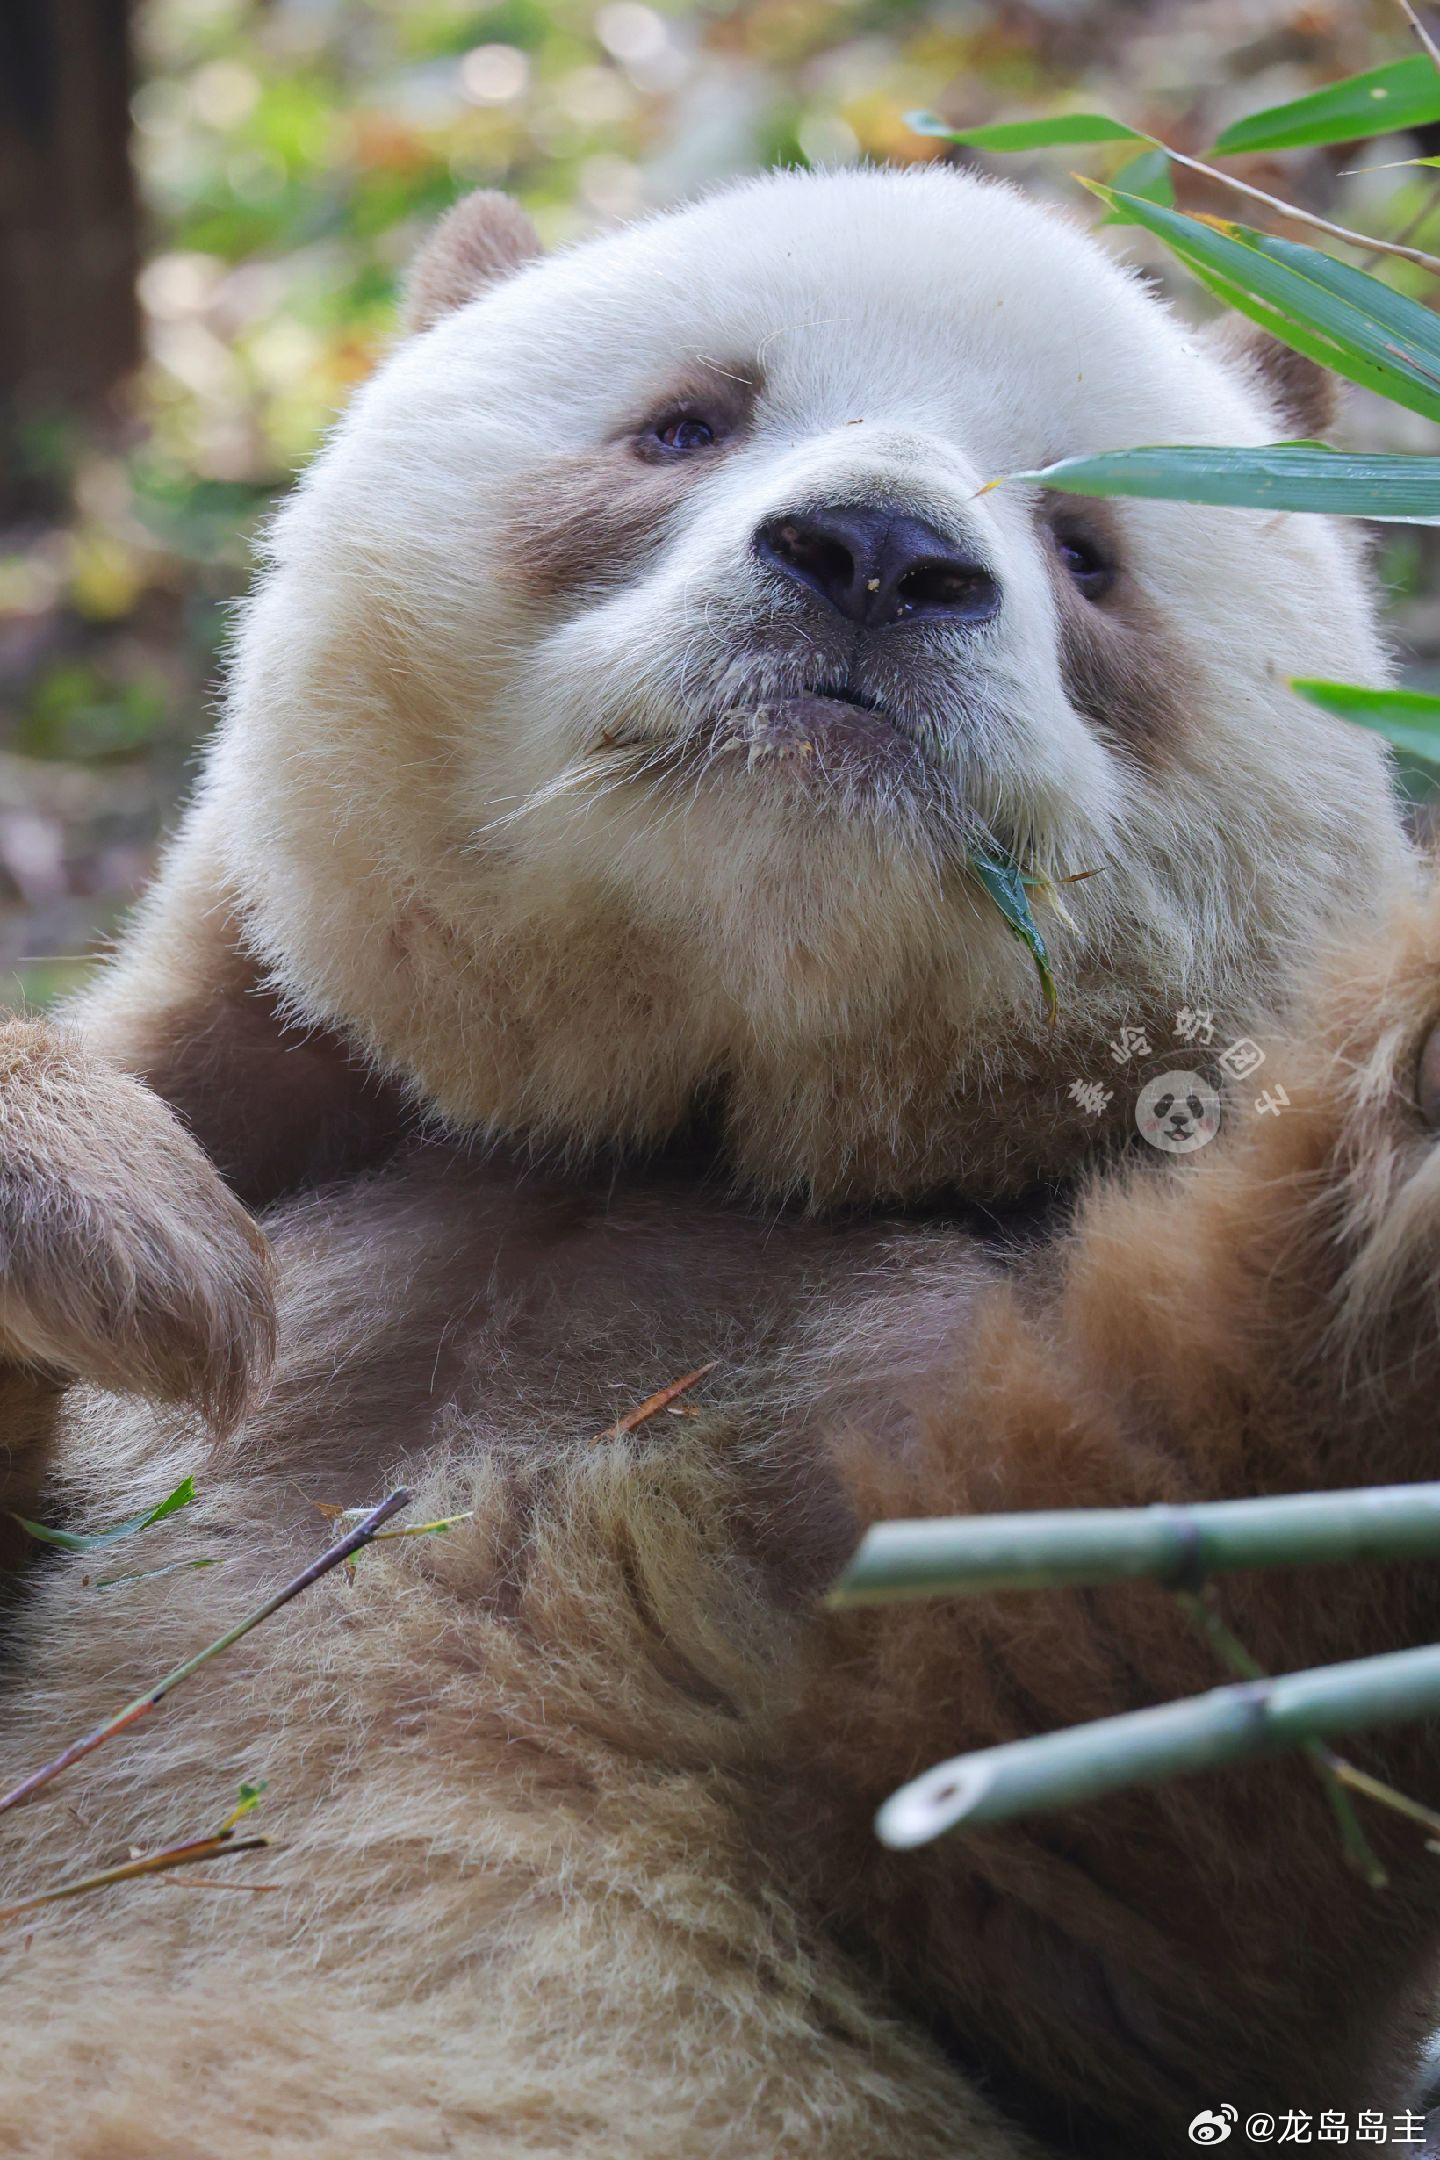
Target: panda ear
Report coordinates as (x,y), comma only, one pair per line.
(1305,395)
(483,239)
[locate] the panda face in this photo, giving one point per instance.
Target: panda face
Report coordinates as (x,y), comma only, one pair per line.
(646,658)
(1178,1112)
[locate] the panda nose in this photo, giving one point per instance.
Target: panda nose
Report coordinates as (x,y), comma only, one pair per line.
(876,567)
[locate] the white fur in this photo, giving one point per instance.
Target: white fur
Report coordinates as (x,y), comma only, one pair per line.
(407,794)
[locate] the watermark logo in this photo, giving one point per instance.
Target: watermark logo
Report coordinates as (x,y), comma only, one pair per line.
(1181,1108)
(1213,2125)
(1300,2126)
(1178,1112)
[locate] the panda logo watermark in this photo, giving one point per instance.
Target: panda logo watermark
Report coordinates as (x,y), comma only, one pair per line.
(1181,1108)
(1178,1112)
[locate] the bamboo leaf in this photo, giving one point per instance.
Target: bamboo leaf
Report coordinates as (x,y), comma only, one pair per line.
(1005,883)
(1150,176)
(77,1542)
(1383,101)
(1277,476)
(1059,131)
(1340,316)
(1410,719)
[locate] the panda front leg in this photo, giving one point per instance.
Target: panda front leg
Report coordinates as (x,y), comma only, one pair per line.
(124,1259)
(1262,1319)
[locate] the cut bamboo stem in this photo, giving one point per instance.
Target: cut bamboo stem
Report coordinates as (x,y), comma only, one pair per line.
(1205,1732)
(1178,1547)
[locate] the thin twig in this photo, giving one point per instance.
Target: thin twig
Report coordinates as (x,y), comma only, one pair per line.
(211,1882)
(653,1404)
(1384,1795)
(1420,31)
(1200,1607)
(143,1704)
(218,1847)
(1297,216)
(1408,230)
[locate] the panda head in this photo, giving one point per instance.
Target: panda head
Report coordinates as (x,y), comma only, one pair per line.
(645,659)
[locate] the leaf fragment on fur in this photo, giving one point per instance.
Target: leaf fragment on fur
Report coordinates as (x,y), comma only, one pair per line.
(221,1846)
(1005,882)
(77,1542)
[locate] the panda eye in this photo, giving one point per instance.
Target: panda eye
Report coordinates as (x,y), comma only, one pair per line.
(678,434)
(1090,568)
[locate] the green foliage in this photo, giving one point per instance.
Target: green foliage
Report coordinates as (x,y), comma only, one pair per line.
(1410,719)
(1005,882)
(1278,476)
(1344,318)
(1404,94)
(72,1541)
(1060,131)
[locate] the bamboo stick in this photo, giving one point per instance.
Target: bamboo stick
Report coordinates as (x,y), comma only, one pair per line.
(1204,1732)
(1178,1547)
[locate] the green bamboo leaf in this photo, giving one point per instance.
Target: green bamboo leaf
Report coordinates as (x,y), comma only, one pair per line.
(74,1541)
(1382,101)
(1410,719)
(1005,883)
(1277,476)
(1345,319)
(1059,130)
(1150,176)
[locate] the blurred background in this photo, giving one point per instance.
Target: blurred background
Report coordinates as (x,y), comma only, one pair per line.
(206,206)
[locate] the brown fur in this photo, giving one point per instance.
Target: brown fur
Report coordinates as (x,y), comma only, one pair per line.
(1306,395)
(483,238)
(1120,669)
(277,1107)
(594,521)
(575,1804)
(127,1262)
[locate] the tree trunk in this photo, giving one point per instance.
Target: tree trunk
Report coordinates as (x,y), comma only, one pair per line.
(68,228)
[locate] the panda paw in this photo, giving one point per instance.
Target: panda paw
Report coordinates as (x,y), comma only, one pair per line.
(124,1259)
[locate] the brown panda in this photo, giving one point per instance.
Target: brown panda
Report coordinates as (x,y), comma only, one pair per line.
(575,947)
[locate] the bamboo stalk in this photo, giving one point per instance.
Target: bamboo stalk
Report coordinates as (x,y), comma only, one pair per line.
(1200,1606)
(1178,1547)
(1204,1732)
(153,1697)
